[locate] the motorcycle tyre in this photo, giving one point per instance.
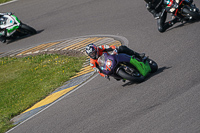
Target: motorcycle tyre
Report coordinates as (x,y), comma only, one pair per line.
(28,29)
(153,65)
(194,15)
(122,73)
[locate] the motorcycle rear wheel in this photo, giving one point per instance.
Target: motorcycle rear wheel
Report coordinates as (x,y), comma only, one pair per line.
(122,73)
(195,15)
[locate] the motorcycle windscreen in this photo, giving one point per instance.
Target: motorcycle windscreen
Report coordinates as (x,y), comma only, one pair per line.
(101,60)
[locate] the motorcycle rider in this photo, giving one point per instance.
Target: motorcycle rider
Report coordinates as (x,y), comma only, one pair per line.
(157,9)
(3,32)
(94,52)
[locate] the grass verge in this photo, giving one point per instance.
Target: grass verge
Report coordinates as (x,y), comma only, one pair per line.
(3,1)
(25,81)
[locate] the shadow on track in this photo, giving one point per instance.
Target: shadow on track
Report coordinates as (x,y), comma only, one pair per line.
(160,70)
(184,24)
(14,39)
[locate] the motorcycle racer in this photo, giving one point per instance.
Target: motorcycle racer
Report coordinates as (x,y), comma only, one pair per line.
(3,32)
(157,9)
(94,52)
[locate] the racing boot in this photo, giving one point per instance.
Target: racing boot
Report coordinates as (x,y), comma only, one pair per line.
(3,39)
(139,55)
(128,51)
(152,11)
(3,35)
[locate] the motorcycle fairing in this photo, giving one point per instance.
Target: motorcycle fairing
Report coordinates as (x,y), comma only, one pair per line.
(16,19)
(108,65)
(171,5)
(143,67)
(11,25)
(107,62)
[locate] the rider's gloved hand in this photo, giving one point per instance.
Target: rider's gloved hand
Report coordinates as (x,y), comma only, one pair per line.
(9,13)
(107,77)
(115,52)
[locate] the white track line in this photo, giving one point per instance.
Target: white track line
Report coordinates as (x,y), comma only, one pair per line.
(53,103)
(8,2)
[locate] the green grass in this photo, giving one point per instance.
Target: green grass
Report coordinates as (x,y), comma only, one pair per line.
(25,81)
(3,1)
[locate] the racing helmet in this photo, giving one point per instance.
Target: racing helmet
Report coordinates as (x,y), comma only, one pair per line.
(3,20)
(92,51)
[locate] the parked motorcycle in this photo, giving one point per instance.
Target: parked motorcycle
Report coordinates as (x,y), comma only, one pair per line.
(182,9)
(125,67)
(11,27)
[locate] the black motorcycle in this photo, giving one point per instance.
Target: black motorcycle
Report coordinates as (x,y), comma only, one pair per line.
(182,9)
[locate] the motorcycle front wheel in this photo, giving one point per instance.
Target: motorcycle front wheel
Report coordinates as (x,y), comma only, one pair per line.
(153,65)
(122,73)
(25,29)
(195,15)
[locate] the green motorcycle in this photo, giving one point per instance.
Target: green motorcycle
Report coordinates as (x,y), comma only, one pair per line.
(125,67)
(11,27)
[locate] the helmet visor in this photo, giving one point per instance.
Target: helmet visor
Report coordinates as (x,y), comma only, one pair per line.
(92,54)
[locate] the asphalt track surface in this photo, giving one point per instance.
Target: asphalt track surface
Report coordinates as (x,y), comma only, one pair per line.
(167,102)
